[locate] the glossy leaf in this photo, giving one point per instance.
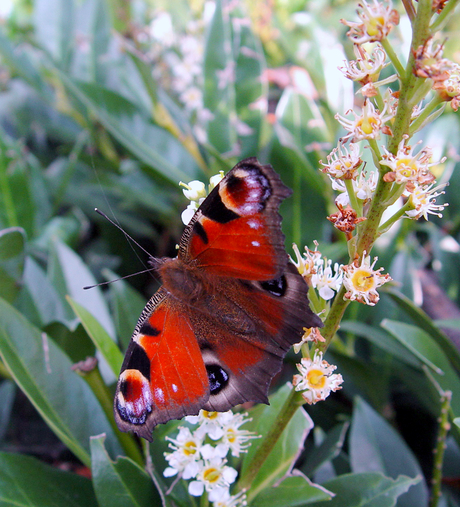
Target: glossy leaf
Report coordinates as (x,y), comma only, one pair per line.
(121,483)
(327,450)
(294,491)
(12,245)
(423,345)
(103,342)
(424,322)
(374,446)
(154,146)
(25,481)
(71,275)
(45,375)
(366,490)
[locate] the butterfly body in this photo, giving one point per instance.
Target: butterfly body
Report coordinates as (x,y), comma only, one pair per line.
(229,308)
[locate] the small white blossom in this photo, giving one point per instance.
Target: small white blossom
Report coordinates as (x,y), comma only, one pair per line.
(215,477)
(377,20)
(364,188)
(311,334)
(366,68)
(185,456)
(362,281)
(423,199)
(368,125)
(316,379)
(327,280)
(343,163)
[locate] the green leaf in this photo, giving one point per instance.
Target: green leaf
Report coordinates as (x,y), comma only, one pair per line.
(329,448)
(7,393)
(72,275)
(26,482)
(423,321)
(385,341)
(39,297)
(54,28)
(366,490)
(295,490)
(153,145)
(282,458)
(220,100)
(127,305)
(12,245)
(103,342)
(45,375)
(374,446)
(423,346)
(122,483)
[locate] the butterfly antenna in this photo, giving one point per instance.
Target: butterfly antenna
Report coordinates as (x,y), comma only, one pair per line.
(117,279)
(126,235)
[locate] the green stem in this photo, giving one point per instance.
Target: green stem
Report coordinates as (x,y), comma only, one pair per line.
(393,58)
(443,16)
(409,83)
(440,447)
(427,110)
(99,388)
(399,214)
(291,404)
(352,196)
(333,319)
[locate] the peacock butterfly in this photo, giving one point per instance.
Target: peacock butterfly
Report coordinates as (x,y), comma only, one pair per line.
(230,306)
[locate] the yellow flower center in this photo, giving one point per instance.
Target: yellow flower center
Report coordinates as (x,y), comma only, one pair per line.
(368,124)
(211,475)
(405,167)
(374,25)
(363,280)
(316,378)
(190,448)
(231,437)
(210,415)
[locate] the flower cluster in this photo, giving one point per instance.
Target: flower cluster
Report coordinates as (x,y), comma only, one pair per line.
(315,379)
(200,454)
(318,272)
(195,192)
(177,59)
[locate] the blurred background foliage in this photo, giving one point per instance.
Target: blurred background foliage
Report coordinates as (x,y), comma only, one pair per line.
(109,104)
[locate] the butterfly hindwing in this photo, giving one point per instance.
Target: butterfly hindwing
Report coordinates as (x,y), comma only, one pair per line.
(163,376)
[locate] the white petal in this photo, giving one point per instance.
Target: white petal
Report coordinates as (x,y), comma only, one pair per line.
(196,488)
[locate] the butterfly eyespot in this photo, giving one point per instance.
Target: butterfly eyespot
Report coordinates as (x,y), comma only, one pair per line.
(217,376)
(277,287)
(138,359)
(134,398)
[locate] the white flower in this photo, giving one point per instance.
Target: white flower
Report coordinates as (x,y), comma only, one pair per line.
(326,280)
(311,334)
(343,164)
(210,423)
(186,455)
(366,68)
(362,281)
(377,20)
(316,379)
(192,98)
(161,29)
(364,188)
(423,200)
(368,125)
(214,476)
(234,438)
